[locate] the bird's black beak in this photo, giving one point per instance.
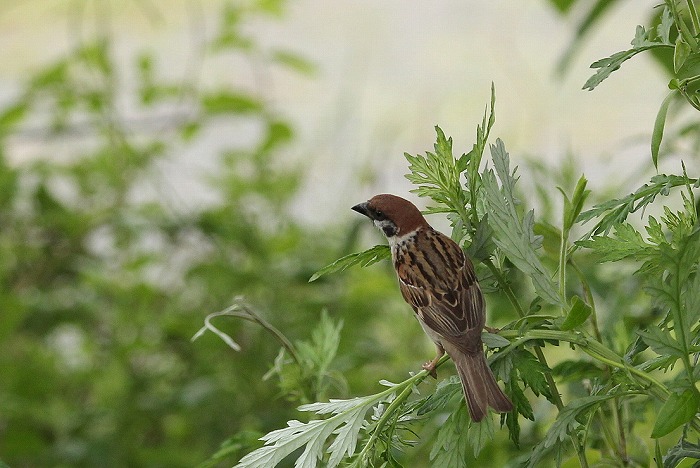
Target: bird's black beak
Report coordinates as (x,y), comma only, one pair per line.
(363,209)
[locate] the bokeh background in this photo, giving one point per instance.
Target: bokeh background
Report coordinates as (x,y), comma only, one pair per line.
(160,161)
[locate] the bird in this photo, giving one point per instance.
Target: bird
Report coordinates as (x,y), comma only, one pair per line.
(438,280)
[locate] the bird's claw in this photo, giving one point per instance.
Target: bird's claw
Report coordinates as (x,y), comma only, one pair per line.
(430,367)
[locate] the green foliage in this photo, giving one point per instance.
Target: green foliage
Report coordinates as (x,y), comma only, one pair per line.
(676,29)
(366,258)
(610,392)
(513,235)
(643,40)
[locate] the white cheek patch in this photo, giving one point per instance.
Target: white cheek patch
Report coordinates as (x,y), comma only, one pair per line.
(383,223)
(388,227)
(398,240)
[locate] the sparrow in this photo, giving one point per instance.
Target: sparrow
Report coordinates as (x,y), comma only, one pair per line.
(438,280)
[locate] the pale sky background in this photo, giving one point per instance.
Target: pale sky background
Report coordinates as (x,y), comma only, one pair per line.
(387,72)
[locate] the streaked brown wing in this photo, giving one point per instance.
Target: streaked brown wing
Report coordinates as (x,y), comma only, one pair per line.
(439,282)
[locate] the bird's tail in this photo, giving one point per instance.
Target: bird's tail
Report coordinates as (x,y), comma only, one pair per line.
(479,384)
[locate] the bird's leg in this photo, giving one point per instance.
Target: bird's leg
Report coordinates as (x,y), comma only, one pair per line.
(430,365)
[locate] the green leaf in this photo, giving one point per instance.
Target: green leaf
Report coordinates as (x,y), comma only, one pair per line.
(573,207)
(345,423)
(293,61)
(515,237)
(562,5)
(443,393)
(230,102)
(608,65)
(676,411)
(594,13)
(492,340)
(450,447)
(615,211)
(521,405)
(692,301)
(322,348)
(573,371)
(565,425)
(366,258)
(658,132)
(437,175)
(480,434)
(577,315)
(520,401)
(626,242)
(663,30)
(531,372)
(641,42)
(482,245)
(682,450)
(661,342)
(681,51)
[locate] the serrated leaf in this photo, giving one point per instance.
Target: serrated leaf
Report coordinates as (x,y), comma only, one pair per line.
(366,258)
(482,245)
(565,424)
(492,340)
(655,231)
(657,133)
(480,434)
(577,315)
(664,28)
(615,212)
(640,43)
(515,237)
(676,411)
(345,423)
(531,372)
(626,242)
(285,441)
(520,401)
(450,447)
(661,342)
(346,436)
(444,392)
(437,174)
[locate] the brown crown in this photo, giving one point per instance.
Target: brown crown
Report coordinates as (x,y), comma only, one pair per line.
(402,212)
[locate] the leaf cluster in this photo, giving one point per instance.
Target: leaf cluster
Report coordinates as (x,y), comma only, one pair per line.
(492,223)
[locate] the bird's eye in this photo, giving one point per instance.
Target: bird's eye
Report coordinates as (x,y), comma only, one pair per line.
(379,216)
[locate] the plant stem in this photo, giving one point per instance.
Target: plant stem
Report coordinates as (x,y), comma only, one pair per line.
(563,240)
(693,16)
(682,27)
(506,288)
(622,438)
(405,389)
(591,347)
(553,390)
(538,350)
(589,299)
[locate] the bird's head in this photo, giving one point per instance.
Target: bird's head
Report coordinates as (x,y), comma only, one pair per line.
(394,215)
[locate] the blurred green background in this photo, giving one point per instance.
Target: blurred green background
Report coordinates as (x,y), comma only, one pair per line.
(160,161)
